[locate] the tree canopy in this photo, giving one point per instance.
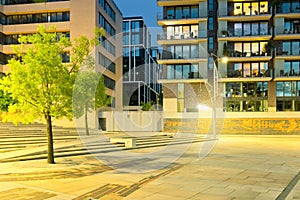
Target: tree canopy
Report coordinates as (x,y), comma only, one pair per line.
(39,80)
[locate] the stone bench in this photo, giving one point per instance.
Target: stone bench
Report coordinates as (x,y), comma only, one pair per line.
(128,141)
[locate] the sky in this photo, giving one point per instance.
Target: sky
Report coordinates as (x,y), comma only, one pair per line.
(145,8)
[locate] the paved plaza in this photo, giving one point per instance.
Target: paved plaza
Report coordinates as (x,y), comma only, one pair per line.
(238,167)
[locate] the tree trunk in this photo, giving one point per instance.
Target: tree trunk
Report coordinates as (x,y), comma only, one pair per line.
(50,153)
(86,121)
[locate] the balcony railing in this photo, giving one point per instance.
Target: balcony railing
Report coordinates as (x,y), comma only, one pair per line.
(189,75)
(163,16)
(288,73)
(282,52)
(235,53)
(279,30)
(224,12)
(239,33)
(251,74)
(167,55)
(182,36)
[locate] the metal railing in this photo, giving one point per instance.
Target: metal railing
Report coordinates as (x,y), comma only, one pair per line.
(224,12)
(181,36)
(164,16)
(279,30)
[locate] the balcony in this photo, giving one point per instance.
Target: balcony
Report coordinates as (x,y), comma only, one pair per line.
(282,33)
(238,35)
(171,58)
(181,38)
(169,19)
(230,15)
(189,76)
(237,56)
(287,74)
(287,11)
(287,54)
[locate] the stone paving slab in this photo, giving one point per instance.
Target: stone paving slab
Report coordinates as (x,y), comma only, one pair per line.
(239,167)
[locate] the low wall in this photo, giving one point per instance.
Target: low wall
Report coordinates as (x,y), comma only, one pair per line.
(238,123)
(132,121)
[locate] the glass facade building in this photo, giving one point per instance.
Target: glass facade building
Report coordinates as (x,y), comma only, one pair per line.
(261,40)
(139,64)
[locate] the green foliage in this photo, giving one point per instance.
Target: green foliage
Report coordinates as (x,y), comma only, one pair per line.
(39,81)
(89,93)
(5,99)
(147,106)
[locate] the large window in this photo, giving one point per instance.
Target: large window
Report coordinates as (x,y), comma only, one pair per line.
(105,62)
(250,8)
(183,51)
(290,48)
(182,12)
(35,18)
(288,96)
(108,45)
(242,49)
(182,32)
(106,25)
(109,83)
(249,28)
(246,97)
(290,68)
(185,71)
(290,7)
(253,69)
(291,26)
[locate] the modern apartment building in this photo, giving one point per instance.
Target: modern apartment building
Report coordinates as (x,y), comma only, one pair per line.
(140,68)
(73,18)
(260,83)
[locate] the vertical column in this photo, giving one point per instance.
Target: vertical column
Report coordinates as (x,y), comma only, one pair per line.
(272,96)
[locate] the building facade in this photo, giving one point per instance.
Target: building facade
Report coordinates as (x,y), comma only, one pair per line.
(259,83)
(73,18)
(139,64)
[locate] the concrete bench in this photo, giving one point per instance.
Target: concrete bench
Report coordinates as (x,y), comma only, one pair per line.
(128,141)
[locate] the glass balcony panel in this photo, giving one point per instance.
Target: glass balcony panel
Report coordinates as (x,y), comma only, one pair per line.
(286,8)
(263,7)
(186,71)
(254,8)
(186,12)
(295,69)
(286,68)
(254,28)
(247,9)
(295,48)
(247,29)
(170,72)
(264,28)
(186,52)
(238,9)
(178,72)
(170,13)
(178,13)
(194,12)
(255,70)
(279,89)
(246,70)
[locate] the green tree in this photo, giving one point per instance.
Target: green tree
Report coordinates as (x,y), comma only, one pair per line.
(89,94)
(89,89)
(40,82)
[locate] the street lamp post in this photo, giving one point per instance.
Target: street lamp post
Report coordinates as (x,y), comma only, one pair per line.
(214,91)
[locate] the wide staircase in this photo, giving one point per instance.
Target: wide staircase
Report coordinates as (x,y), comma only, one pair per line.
(29,141)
